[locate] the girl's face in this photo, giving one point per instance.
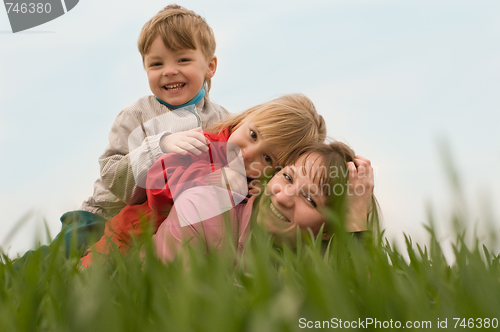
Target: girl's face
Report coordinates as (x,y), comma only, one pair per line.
(258,155)
(292,199)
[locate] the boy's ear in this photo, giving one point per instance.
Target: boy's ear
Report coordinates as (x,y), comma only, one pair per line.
(212,67)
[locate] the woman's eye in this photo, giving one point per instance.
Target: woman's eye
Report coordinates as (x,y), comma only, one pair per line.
(268,159)
(311,201)
(253,134)
(287,177)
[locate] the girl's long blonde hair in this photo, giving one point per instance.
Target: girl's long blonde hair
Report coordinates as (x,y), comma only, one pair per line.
(289,123)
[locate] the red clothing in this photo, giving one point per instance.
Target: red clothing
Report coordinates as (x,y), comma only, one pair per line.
(185,171)
(169,176)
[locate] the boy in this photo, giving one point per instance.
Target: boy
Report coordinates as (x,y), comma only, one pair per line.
(177,48)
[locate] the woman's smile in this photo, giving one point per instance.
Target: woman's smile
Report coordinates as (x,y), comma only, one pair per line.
(277,213)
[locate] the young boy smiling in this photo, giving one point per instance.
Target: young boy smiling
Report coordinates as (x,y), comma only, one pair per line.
(177,48)
(175,76)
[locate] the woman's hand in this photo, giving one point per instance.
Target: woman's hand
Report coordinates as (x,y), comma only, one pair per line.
(359,194)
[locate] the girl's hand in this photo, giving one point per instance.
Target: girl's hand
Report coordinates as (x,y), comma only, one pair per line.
(191,141)
(255,187)
(359,194)
(234,181)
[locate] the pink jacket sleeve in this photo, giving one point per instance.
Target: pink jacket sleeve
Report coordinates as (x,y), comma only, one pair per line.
(197,218)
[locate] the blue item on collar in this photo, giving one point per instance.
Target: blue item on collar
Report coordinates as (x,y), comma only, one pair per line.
(199,96)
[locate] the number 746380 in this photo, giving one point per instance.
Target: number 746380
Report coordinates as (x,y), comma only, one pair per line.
(28,7)
(476,323)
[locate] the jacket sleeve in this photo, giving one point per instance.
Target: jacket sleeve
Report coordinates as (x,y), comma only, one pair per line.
(118,161)
(196,219)
(172,174)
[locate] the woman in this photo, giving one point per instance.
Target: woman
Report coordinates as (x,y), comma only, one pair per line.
(322,177)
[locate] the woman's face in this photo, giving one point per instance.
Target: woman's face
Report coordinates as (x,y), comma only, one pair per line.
(292,199)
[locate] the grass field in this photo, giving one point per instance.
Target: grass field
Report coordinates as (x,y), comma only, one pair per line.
(353,284)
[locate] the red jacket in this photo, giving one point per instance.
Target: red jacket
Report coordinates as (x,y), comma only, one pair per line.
(173,173)
(166,179)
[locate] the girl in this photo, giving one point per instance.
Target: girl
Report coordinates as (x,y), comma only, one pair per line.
(265,137)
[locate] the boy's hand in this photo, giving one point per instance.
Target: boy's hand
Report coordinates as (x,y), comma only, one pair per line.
(359,194)
(183,142)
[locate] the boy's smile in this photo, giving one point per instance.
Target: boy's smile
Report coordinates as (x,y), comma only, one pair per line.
(176,77)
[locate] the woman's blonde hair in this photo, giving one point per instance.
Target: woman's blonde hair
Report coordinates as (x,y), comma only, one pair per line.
(288,123)
(179,29)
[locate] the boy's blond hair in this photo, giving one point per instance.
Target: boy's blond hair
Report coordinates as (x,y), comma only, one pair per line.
(289,123)
(179,29)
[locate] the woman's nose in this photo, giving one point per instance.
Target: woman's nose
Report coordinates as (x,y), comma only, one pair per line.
(284,197)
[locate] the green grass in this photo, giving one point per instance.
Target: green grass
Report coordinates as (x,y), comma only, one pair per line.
(266,289)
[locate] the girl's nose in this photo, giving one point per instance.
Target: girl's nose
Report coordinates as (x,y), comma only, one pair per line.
(247,154)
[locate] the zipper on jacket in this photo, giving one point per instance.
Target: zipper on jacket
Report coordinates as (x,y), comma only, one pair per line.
(195,113)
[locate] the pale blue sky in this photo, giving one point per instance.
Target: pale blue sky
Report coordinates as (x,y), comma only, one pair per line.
(390,77)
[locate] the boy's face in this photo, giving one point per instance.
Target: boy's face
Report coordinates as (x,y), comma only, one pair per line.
(176,77)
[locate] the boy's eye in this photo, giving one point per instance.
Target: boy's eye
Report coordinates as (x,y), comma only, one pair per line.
(184,60)
(154,64)
(253,134)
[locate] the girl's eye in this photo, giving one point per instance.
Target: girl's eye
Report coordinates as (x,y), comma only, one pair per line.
(253,134)
(311,201)
(268,159)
